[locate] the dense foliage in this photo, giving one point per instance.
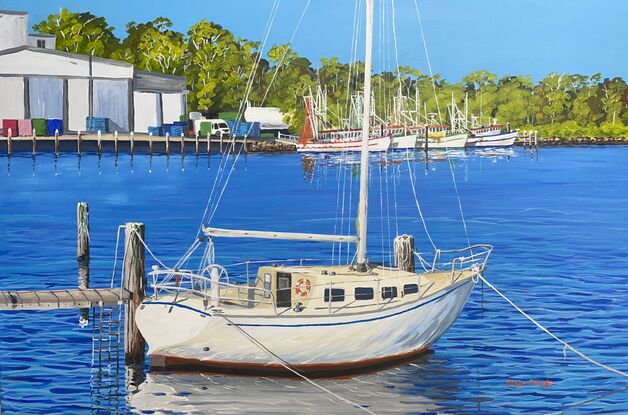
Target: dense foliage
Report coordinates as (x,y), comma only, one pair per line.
(217,67)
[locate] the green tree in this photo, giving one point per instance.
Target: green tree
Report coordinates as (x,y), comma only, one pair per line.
(81,33)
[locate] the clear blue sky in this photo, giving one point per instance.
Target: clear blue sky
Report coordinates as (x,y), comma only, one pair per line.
(532,37)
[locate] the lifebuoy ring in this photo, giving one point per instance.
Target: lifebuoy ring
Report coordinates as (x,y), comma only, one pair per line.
(303,287)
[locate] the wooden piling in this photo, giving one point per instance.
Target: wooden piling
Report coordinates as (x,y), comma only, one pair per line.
(150,144)
(115,142)
(182,145)
(135,282)
(196,143)
(82,253)
(9,144)
(209,143)
(168,144)
(57,142)
(34,144)
(99,142)
(403,246)
(132,134)
(82,244)
(78,142)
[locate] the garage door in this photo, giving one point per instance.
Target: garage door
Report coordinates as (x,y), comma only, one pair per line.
(111,100)
(46,97)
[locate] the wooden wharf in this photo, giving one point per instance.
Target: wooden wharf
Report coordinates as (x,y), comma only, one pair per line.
(59,299)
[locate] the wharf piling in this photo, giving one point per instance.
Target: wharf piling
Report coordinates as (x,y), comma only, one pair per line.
(404,252)
(135,282)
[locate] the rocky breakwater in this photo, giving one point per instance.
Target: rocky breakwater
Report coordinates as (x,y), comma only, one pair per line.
(270,147)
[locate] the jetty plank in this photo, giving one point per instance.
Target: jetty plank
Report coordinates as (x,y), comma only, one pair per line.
(51,299)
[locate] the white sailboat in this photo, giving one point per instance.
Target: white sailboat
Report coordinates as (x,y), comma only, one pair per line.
(311,320)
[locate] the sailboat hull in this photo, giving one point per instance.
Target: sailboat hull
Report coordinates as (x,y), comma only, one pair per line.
(183,337)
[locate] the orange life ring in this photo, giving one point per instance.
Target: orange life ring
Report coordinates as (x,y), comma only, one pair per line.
(303,287)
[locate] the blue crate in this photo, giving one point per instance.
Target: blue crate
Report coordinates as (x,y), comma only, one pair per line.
(176,131)
(165,129)
(54,125)
(156,131)
(95,124)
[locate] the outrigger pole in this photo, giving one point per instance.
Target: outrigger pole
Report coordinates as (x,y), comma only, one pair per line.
(366,130)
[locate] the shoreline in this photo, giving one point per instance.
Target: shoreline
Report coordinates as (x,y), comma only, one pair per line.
(574,142)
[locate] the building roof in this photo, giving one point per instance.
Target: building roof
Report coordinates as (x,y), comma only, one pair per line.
(65,54)
(16,12)
(42,35)
(145,81)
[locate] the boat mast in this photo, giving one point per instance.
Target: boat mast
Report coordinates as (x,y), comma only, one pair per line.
(366,129)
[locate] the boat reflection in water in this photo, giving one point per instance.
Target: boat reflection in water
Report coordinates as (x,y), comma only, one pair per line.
(428,384)
(313,163)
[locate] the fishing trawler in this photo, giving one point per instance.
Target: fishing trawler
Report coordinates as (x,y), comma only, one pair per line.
(296,319)
(490,135)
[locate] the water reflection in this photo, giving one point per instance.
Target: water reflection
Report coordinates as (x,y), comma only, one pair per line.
(426,385)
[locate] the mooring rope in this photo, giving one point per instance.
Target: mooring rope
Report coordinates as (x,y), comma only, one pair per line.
(566,346)
(288,367)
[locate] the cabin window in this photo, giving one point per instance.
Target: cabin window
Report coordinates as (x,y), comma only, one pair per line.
(364,293)
(41,43)
(389,292)
(337,294)
(410,289)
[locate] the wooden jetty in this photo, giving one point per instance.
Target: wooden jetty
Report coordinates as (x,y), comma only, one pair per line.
(130,294)
(54,299)
(131,142)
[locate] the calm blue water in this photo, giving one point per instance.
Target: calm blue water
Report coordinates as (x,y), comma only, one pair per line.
(558,221)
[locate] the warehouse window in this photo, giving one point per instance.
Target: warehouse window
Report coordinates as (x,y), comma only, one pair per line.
(41,43)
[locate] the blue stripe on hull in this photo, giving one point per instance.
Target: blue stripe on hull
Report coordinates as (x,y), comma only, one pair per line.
(318,324)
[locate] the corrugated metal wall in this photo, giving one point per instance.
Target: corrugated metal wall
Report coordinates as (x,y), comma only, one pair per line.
(147,111)
(11,98)
(111,100)
(78,103)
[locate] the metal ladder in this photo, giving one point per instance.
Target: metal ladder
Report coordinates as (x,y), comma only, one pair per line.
(105,382)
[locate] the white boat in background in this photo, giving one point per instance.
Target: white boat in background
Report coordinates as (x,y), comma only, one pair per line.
(490,135)
(297,320)
(378,143)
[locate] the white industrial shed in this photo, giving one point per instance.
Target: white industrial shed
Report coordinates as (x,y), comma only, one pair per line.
(46,83)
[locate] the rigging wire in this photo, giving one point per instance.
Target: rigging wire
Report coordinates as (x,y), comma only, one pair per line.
(289,367)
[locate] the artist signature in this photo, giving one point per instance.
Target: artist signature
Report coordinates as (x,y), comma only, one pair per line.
(531,382)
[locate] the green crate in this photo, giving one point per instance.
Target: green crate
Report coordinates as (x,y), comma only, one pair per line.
(40,125)
(183,118)
(206,128)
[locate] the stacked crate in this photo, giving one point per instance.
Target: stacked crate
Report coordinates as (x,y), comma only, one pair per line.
(95,124)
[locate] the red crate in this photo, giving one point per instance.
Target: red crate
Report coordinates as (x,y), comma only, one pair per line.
(12,124)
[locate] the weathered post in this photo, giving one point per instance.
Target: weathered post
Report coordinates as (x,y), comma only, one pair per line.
(135,282)
(220,143)
(168,144)
(209,143)
(115,141)
(536,138)
(99,142)
(57,142)
(34,144)
(9,144)
(196,143)
(150,144)
(82,252)
(425,147)
(403,246)
(78,142)
(132,134)
(182,145)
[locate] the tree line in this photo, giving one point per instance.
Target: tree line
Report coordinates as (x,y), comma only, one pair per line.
(217,67)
